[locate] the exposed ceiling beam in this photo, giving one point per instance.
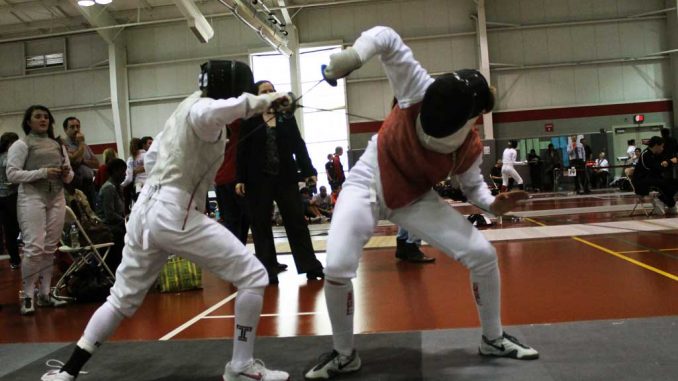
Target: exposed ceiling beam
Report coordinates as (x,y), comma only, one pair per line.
(33,4)
(285,12)
(99,16)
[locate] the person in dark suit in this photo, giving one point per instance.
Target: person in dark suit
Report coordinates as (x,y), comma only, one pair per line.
(267,172)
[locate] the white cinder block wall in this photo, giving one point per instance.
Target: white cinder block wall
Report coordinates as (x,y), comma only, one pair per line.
(163,59)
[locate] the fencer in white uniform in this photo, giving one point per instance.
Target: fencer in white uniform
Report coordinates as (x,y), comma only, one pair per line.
(509,158)
(168,217)
(39,163)
(429,134)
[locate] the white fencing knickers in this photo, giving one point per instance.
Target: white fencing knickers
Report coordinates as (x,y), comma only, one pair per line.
(155,230)
(507,171)
(429,217)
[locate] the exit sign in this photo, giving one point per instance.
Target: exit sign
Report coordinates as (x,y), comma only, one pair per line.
(548,127)
(639,118)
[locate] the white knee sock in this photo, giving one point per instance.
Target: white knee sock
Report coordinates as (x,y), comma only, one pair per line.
(30,272)
(247,311)
(339,299)
(103,323)
(486,290)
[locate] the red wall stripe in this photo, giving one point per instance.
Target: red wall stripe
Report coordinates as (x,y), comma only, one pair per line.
(551,114)
(98,149)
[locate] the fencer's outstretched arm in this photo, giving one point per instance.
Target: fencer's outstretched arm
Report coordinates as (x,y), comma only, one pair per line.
(408,79)
(209,116)
(474,187)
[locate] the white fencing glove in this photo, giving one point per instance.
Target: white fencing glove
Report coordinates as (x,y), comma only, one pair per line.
(258,104)
(341,65)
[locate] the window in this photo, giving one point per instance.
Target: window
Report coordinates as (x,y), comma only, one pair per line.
(44,60)
(324,106)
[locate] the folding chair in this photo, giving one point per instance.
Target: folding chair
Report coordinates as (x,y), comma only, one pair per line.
(87,255)
(642,199)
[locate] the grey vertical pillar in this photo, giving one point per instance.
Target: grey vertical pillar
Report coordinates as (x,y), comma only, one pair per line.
(117,66)
(484,67)
(672,31)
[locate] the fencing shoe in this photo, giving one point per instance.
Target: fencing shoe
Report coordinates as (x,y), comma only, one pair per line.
(507,346)
(27,305)
(57,375)
(256,371)
(332,364)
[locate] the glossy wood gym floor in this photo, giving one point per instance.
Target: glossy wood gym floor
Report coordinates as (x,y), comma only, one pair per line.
(630,272)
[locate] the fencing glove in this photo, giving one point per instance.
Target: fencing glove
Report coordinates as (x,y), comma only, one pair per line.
(341,65)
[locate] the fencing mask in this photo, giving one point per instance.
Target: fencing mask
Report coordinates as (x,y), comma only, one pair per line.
(221,79)
(452,100)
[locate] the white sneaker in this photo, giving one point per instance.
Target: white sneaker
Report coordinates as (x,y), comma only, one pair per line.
(507,346)
(332,364)
(256,371)
(49,301)
(56,375)
(659,206)
(27,305)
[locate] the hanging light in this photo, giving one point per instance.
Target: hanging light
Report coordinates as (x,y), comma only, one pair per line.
(85,3)
(103,2)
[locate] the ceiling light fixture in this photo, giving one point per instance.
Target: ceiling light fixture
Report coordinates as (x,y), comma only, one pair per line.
(85,3)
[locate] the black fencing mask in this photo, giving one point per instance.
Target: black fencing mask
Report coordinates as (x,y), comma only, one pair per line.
(452,100)
(221,79)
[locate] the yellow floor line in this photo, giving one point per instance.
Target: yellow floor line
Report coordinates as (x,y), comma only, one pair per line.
(637,263)
(616,254)
(645,251)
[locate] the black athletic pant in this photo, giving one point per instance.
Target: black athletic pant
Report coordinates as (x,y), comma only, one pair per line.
(232,209)
(10,226)
(667,189)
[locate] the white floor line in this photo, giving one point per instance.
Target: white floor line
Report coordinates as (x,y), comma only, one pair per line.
(198,317)
(262,315)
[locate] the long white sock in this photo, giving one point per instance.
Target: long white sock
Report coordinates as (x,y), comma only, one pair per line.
(30,272)
(248,305)
(339,300)
(486,290)
(103,323)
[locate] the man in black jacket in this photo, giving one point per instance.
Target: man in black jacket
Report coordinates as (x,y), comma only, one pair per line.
(648,173)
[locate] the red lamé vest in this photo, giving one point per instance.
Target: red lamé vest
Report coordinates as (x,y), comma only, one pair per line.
(408,170)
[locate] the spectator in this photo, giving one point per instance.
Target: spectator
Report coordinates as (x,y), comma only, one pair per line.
(112,209)
(232,209)
(670,151)
(136,173)
(267,172)
(329,170)
(323,201)
(40,203)
(495,174)
(310,211)
(534,163)
(509,159)
(408,248)
(338,176)
(102,174)
(82,158)
(335,196)
(631,150)
(8,197)
(551,161)
(600,171)
(647,174)
(146,142)
(577,154)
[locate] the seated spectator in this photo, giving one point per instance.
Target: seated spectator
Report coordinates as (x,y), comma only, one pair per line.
(311,211)
(600,171)
(495,174)
(647,174)
(112,209)
(102,173)
(323,201)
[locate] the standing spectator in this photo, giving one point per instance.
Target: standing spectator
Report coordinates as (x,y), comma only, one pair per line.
(136,173)
(112,209)
(8,198)
(509,158)
(408,248)
(534,163)
(270,174)
(102,174)
(82,158)
(551,161)
(600,171)
(670,151)
(40,165)
(647,174)
(577,153)
(338,176)
(588,158)
(329,170)
(335,196)
(146,142)
(233,209)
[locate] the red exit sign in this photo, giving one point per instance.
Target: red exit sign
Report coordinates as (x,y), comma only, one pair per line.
(548,127)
